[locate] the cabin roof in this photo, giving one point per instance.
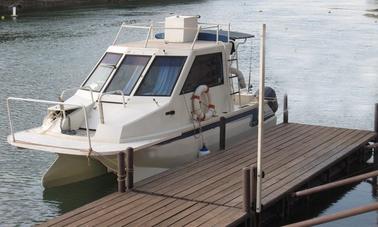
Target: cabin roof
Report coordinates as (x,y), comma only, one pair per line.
(210,35)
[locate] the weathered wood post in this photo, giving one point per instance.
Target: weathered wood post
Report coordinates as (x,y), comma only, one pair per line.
(285,110)
(375,179)
(247,190)
(222,133)
(130,168)
(376,118)
(121,172)
(254,215)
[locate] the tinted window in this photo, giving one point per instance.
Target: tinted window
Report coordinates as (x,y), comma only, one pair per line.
(206,69)
(103,71)
(162,76)
(128,73)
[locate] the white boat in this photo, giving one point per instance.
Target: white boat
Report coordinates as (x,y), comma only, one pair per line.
(162,96)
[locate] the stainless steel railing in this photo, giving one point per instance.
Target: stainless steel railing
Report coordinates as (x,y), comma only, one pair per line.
(61,104)
(101,109)
(152,27)
(61,97)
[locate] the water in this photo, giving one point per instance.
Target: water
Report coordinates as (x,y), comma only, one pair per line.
(324,54)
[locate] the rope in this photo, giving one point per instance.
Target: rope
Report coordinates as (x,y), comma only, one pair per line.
(190,114)
(57,116)
(108,162)
(200,133)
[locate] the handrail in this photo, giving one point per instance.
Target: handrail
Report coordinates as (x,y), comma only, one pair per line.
(101,109)
(151,27)
(148,36)
(336,216)
(61,104)
(61,98)
(196,37)
(335,184)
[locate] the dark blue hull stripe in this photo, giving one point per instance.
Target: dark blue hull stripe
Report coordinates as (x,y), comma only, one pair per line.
(253,113)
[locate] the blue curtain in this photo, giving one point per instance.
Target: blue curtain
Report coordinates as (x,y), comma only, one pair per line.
(162,76)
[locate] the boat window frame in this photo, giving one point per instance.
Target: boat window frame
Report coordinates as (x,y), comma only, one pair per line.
(147,69)
(191,66)
(143,72)
(82,87)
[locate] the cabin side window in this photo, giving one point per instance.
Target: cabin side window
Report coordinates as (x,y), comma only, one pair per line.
(128,73)
(102,72)
(206,70)
(162,76)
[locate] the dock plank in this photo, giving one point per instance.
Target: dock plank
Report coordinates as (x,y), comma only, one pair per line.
(204,166)
(208,192)
(214,172)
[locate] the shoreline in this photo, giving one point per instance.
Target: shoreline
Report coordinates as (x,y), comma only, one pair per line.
(24,6)
(33,5)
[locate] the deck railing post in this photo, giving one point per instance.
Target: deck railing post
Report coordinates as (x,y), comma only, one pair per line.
(121,172)
(260,132)
(285,110)
(246,190)
(130,168)
(222,133)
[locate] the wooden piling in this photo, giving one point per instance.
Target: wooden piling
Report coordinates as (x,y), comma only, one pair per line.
(375,179)
(253,185)
(254,215)
(222,133)
(376,118)
(121,172)
(130,168)
(285,110)
(246,190)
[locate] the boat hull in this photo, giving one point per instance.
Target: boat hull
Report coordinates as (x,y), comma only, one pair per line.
(68,169)
(153,160)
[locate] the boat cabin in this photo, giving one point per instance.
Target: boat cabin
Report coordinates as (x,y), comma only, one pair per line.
(145,88)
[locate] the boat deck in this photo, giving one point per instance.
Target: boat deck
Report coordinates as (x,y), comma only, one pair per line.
(208,192)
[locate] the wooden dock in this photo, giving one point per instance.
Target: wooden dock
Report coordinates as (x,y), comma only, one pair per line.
(208,192)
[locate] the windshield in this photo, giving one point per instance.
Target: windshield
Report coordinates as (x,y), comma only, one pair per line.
(103,71)
(128,73)
(162,76)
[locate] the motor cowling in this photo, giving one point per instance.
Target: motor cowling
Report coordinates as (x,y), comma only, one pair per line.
(271,97)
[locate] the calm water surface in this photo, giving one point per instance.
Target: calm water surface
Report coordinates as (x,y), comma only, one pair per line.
(324,54)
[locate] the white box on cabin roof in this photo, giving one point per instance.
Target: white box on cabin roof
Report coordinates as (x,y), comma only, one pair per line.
(180,35)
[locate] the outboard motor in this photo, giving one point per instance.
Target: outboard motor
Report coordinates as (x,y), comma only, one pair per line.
(271,96)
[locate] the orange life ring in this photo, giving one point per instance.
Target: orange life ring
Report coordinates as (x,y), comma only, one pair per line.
(198,113)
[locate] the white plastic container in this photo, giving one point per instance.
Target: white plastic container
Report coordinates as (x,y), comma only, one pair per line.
(175,32)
